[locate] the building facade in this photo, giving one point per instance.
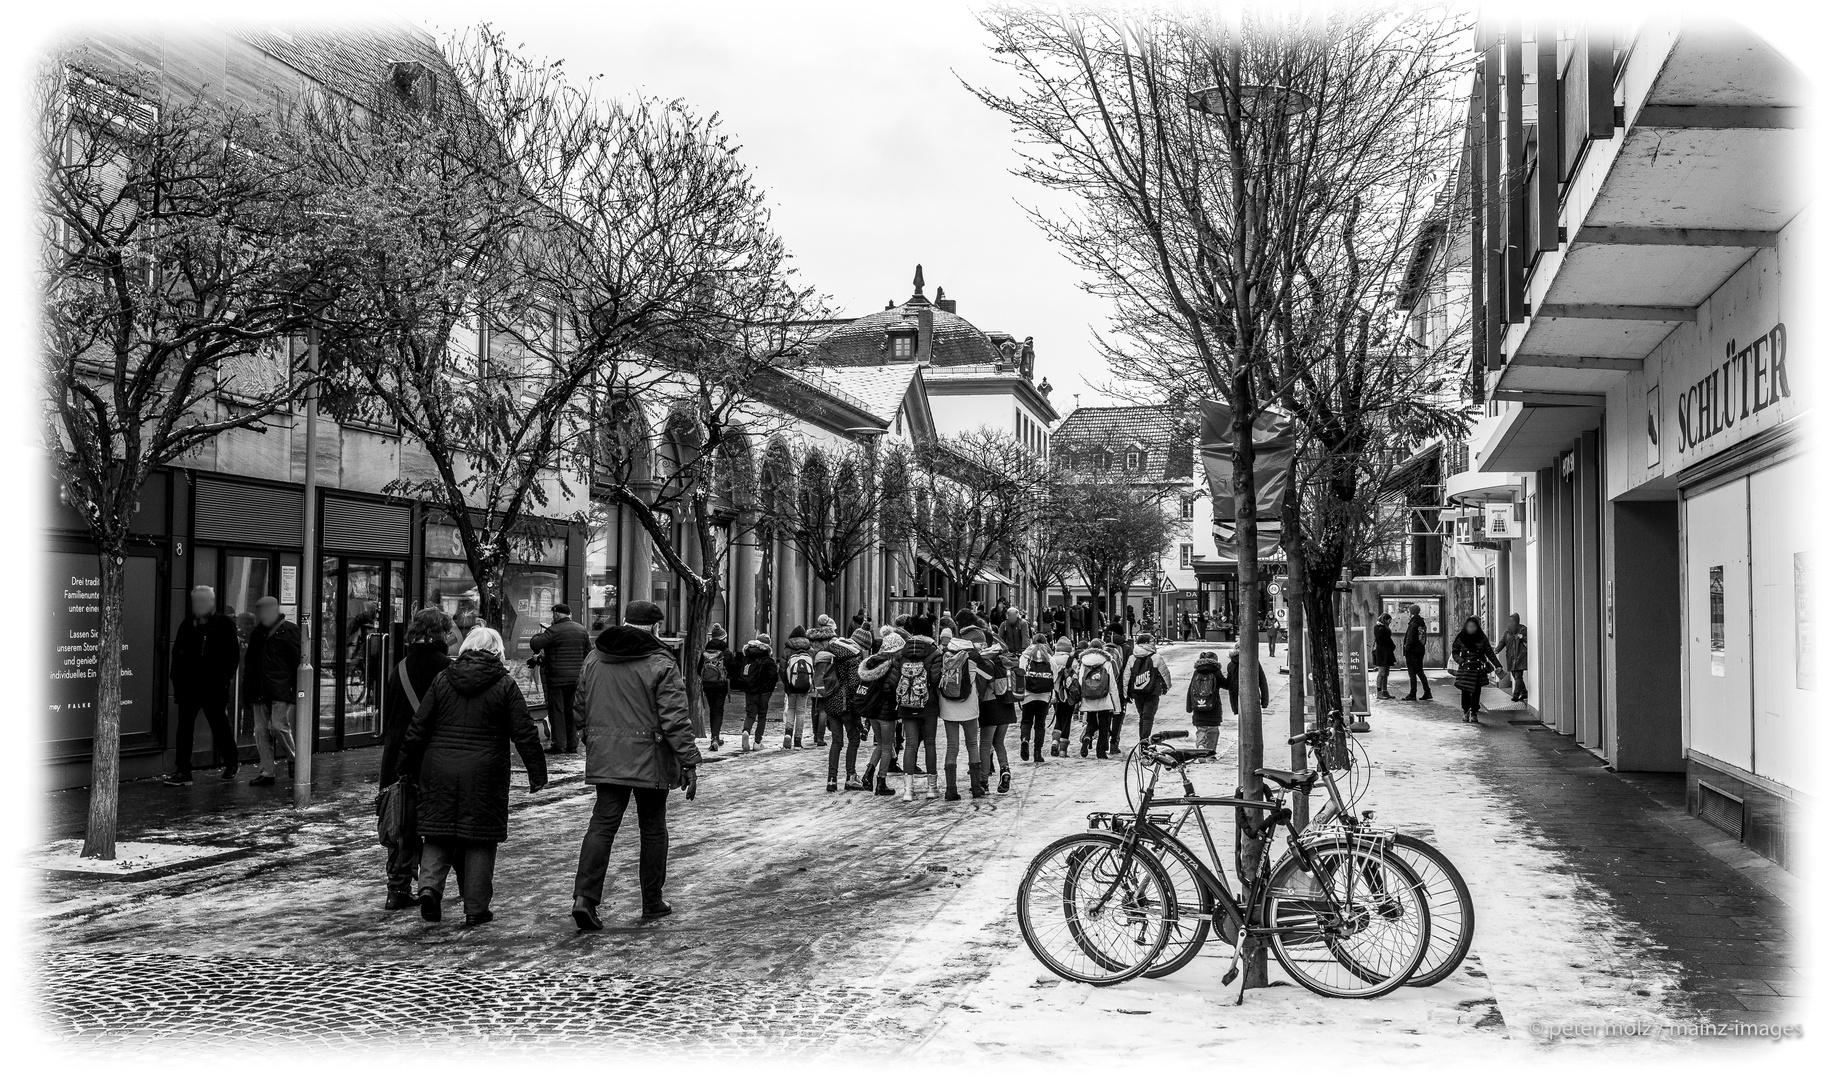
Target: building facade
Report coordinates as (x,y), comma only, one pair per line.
(1643,348)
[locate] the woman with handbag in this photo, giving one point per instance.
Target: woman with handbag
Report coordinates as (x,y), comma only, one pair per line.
(428,653)
(456,751)
(1475,658)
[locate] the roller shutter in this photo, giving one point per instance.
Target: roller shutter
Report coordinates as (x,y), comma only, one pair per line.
(354,525)
(248,514)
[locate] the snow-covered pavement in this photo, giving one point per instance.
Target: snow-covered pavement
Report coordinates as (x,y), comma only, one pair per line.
(832,925)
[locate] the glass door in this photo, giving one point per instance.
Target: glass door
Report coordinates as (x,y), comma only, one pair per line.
(362,604)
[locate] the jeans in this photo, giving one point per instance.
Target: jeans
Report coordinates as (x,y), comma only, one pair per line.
(1380,679)
(1033,718)
(1415,678)
(474,862)
(1065,718)
(215,708)
(992,745)
(403,865)
(1147,706)
(756,711)
(1472,699)
(1520,684)
(715,709)
(560,697)
(968,730)
(883,747)
(922,731)
(273,720)
(796,713)
(1208,737)
(652,827)
(843,729)
(1098,731)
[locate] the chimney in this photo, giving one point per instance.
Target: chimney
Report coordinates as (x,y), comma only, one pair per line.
(942,301)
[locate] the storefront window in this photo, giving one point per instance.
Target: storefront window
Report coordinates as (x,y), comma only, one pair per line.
(531,590)
(603,545)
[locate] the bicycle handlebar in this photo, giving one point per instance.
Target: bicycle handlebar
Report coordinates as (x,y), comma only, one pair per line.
(1166,736)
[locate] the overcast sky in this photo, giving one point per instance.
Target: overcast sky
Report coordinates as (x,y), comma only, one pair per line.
(875,155)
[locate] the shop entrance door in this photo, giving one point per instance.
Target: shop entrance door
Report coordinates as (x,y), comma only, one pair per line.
(362,609)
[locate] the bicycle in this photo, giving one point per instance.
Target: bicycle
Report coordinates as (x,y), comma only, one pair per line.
(1333,904)
(1453,918)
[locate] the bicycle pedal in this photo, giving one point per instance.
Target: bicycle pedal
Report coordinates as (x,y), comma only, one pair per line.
(1232,974)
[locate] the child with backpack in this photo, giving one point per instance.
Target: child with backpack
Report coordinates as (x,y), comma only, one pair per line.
(1204,699)
(961,673)
(998,711)
(1063,706)
(918,700)
(1147,680)
(876,700)
(757,677)
(1035,677)
(797,684)
(1092,681)
(718,666)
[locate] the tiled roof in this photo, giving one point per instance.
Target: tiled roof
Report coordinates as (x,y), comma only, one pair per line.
(1165,436)
(866,341)
(354,61)
(880,387)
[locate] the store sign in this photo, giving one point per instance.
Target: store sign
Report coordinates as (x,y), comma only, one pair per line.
(75,636)
(1753,377)
(1499,521)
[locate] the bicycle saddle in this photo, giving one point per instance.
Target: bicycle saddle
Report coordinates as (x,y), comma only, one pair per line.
(1288,779)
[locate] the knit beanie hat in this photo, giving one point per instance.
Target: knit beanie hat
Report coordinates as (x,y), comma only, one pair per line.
(764,638)
(966,617)
(717,631)
(799,631)
(825,620)
(893,642)
(921,626)
(1062,645)
(861,636)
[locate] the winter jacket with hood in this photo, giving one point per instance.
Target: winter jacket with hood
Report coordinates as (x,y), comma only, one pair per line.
(457,747)
(1144,656)
(997,707)
(797,643)
(631,711)
(877,675)
(1021,682)
(1384,655)
(563,645)
(1208,670)
(728,661)
(760,663)
(846,656)
(424,661)
(1231,680)
(1085,661)
(920,649)
(967,708)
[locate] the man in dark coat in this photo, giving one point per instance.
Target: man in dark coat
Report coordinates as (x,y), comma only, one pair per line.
(205,655)
(457,751)
(632,711)
(1383,655)
(562,646)
(1231,680)
(270,674)
(428,653)
(1414,649)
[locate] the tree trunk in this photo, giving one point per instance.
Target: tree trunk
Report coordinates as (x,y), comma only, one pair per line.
(1251,744)
(766,573)
(1297,589)
(105,748)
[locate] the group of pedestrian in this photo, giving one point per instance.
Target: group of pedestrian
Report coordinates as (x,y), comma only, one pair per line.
(208,659)
(1475,656)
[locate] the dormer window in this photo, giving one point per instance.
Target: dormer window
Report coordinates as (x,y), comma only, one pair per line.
(1132,461)
(903,345)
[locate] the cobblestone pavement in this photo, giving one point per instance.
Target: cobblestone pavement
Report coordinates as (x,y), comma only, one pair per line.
(809,924)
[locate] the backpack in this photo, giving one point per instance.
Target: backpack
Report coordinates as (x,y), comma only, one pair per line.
(1096,681)
(712,668)
(1071,684)
(912,689)
(1205,691)
(956,680)
(825,680)
(1039,678)
(1149,681)
(800,677)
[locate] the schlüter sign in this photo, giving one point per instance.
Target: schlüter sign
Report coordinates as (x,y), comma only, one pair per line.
(1751,378)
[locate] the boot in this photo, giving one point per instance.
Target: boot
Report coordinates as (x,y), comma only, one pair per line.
(909,788)
(885,789)
(954,794)
(865,781)
(853,784)
(934,787)
(1024,750)
(1004,781)
(893,769)
(974,787)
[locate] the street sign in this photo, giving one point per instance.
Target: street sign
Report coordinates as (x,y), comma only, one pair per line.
(1169,586)
(1273,588)
(1499,521)
(1280,614)
(1351,643)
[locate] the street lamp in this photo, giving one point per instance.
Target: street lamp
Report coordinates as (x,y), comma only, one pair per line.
(1286,101)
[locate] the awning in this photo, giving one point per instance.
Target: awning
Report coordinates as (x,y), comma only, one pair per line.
(992,577)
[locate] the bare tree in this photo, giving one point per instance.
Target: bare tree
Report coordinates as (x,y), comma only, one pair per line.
(832,518)
(1112,522)
(177,247)
(974,498)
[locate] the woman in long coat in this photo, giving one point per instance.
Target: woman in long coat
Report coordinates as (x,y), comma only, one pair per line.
(457,748)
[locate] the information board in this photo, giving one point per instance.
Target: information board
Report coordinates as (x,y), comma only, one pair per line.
(1351,648)
(74,604)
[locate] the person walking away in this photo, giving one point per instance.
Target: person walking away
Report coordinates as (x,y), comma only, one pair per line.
(428,653)
(562,645)
(757,678)
(960,709)
(918,701)
(1203,699)
(1230,681)
(1514,656)
(1120,649)
(1383,655)
(639,744)
(998,711)
(456,752)
(836,675)
(1202,625)
(205,657)
(1147,680)
(1475,658)
(1413,648)
(877,705)
(270,672)
(1132,620)
(1062,706)
(718,667)
(1036,677)
(797,684)
(1092,683)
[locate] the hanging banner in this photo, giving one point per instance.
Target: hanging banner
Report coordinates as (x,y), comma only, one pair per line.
(1274,443)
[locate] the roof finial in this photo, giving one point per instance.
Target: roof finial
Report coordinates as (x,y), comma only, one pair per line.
(918,279)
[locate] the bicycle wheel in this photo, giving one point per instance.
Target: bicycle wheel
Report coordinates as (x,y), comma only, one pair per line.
(1189,912)
(1453,913)
(1360,937)
(1092,913)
